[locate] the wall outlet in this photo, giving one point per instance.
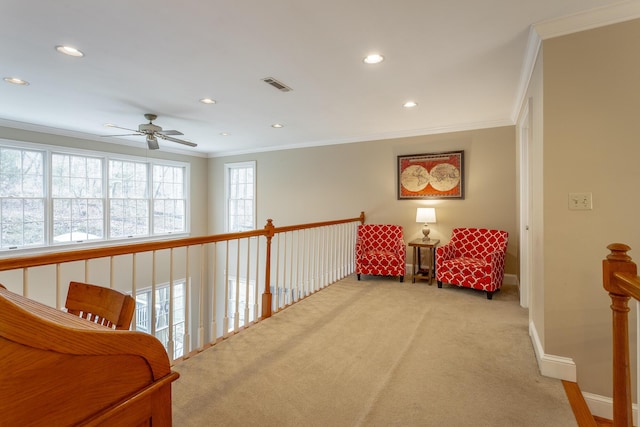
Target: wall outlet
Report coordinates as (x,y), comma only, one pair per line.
(580,202)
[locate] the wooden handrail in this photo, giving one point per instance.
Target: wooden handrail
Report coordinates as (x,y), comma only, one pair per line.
(620,279)
(269,230)
(11,263)
(319,224)
(107,251)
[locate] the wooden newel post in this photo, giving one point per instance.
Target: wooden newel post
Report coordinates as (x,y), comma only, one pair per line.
(266,296)
(619,262)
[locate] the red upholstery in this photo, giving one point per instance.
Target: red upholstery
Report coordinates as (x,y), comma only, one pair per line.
(380,250)
(473,258)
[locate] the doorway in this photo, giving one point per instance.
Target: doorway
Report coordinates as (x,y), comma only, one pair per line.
(525,249)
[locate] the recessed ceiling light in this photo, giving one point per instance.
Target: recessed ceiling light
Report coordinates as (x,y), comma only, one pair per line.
(71,51)
(16,81)
(208,101)
(276,125)
(225,133)
(374,58)
(410,104)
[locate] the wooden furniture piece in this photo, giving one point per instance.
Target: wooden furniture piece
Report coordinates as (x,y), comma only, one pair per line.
(105,306)
(380,250)
(473,258)
(428,272)
(59,369)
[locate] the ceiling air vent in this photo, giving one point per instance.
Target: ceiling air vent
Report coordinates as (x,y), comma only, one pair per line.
(278,85)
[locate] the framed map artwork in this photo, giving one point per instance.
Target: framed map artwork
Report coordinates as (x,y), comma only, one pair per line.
(431,176)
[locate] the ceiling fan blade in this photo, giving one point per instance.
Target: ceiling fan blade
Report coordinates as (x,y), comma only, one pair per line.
(171,132)
(152,142)
(118,127)
(179,141)
(126,134)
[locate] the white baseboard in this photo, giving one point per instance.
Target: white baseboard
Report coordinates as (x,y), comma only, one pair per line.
(562,368)
(602,406)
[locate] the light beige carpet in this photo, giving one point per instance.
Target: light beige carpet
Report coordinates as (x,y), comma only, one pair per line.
(376,353)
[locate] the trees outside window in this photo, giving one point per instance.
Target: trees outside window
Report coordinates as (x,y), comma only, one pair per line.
(22,197)
(78,197)
(49,197)
(240,189)
(169,203)
(128,199)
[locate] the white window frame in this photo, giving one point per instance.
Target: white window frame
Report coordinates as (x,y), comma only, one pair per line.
(179,323)
(228,168)
(126,200)
(106,157)
(88,199)
(22,198)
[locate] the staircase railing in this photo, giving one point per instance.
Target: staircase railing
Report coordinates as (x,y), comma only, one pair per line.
(620,279)
(207,286)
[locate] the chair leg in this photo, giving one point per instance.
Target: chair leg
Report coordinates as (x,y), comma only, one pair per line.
(401,279)
(489,295)
(439,283)
(358,276)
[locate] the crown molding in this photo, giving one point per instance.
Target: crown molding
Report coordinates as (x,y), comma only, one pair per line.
(528,64)
(587,20)
(582,21)
(461,127)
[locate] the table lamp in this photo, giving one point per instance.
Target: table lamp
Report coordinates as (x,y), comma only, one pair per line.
(426,216)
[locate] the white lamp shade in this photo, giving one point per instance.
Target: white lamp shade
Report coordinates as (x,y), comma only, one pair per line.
(426,215)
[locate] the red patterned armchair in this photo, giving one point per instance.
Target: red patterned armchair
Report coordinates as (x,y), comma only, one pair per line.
(473,258)
(380,250)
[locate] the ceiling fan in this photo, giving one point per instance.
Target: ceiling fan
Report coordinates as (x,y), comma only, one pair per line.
(153,132)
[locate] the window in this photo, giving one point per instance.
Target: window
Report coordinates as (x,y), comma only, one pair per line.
(144,315)
(240,196)
(128,199)
(22,198)
(168,199)
(51,197)
(77,197)
(244,301)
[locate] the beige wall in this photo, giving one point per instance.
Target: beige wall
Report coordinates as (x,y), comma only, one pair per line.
(591,144)
(340,181)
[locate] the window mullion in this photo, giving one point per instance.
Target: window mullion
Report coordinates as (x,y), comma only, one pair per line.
(53,192)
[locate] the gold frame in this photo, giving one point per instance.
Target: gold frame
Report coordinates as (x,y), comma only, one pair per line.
(431,176)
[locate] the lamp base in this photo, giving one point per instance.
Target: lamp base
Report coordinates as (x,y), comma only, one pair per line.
(425,232)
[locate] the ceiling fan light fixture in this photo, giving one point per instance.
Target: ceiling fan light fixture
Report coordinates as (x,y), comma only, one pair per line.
(69,50)
(16,81)
(152,142)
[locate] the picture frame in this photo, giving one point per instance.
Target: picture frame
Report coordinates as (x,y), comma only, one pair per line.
(431,176)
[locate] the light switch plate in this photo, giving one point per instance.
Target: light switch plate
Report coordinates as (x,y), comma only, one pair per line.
(580,201)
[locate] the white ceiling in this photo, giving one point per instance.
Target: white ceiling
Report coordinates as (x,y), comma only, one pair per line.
(465,62)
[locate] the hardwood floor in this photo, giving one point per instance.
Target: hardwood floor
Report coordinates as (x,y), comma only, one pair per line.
(602,422)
